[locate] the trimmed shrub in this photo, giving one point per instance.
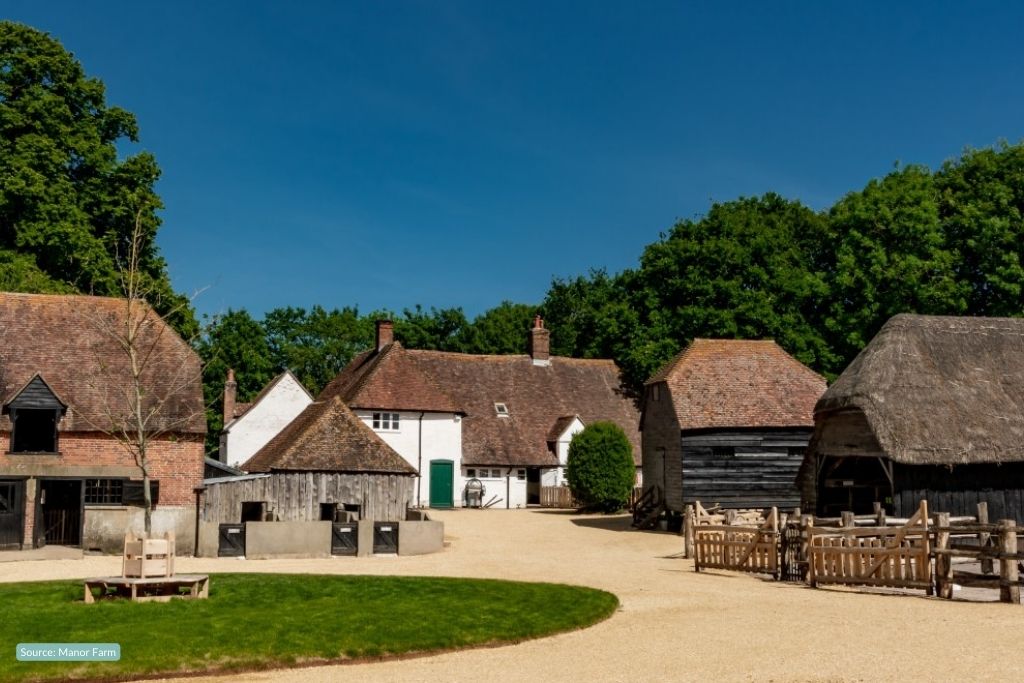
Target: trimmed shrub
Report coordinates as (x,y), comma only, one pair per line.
(601,471)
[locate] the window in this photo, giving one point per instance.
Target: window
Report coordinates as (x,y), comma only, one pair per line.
(501,409)
(385,422)
(35,431)
(104,491)
(521,475)
(470,471)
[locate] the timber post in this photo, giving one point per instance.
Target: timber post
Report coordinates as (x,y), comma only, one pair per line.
(984,538)
(847,520)
(879,514)
(1009,575)
(943,561)
(730,517)
(689,522)
(806,522)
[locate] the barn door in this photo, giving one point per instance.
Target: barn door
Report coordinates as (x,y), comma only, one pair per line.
(344,539)
(385,538)
(12,496)
(231,540)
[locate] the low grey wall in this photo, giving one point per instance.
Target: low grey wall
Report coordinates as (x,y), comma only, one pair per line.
(264,540)
(209,540)
(104,528)
(420,538)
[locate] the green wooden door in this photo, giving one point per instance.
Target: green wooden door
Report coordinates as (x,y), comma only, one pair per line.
(442,483)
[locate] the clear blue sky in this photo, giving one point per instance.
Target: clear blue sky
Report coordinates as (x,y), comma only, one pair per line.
(384,154)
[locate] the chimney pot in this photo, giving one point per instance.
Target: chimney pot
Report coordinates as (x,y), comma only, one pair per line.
(385,333)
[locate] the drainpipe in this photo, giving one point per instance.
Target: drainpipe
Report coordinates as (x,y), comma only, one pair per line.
(199,493)
(508,484)
(419,462)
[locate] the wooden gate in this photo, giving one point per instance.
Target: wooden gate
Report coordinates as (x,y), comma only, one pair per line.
(231,540)
(12,495)
(344,539)
(739,548)
(385,538)
(896,557)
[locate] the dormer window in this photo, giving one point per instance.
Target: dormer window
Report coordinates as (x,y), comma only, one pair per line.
(35,412)
(501,409)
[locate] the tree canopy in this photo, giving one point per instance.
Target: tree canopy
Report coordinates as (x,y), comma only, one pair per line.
(601,471)
(68,201)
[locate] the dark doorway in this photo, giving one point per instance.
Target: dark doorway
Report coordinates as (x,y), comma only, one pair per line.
(385,538)
(231,540)
(60,501)
(12,497)
(254,511)
(533,486)
(344,539)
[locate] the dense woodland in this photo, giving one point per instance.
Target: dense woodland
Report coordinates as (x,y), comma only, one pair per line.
(821,283)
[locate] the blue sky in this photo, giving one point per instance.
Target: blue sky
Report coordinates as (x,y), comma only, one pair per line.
(384,154)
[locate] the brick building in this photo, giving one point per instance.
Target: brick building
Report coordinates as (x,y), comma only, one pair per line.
(65,386)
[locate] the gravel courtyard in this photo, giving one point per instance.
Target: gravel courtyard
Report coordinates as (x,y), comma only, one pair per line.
(674,624)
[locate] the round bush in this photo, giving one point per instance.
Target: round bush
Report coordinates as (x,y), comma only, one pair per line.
(601,471)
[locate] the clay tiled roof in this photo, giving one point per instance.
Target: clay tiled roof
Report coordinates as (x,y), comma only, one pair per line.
(939,389)
(67,340)
(327,437)
(561,424)
(242,408)
(536,396)
(728,383)
(390,380)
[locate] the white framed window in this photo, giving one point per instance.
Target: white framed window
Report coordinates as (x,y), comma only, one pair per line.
(470,471)
(385,422)
(501,409)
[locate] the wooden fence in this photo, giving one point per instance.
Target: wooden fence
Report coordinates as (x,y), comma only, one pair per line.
(739,548)
(896,557)
(913,553)
(557,497)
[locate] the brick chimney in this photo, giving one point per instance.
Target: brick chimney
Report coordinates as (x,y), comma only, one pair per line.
(230,389)
(540,343)
(385,333)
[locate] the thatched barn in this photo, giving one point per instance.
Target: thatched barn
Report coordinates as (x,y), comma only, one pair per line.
(727,421)
(932,408)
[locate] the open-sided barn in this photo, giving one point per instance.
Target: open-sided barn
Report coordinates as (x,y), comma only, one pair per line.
(932,408)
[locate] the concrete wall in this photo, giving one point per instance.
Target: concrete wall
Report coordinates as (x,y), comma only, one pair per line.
(420,538)
(441,439)
(105,527)
(265,540)
(263,421)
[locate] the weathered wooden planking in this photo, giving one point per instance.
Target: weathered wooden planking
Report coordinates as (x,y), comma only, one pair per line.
(296,496)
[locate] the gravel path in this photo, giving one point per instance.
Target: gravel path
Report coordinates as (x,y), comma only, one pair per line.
(674,624)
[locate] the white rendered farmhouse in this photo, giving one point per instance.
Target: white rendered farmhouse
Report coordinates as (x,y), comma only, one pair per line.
(249,426)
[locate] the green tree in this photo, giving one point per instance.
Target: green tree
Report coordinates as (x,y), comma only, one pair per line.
(500,330)
(316,344)
(235,341)
(68,202)
(981,207)
(891,256)
(601,472)
(439,330)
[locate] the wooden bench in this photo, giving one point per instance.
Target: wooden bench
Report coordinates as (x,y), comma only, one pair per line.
(149,589)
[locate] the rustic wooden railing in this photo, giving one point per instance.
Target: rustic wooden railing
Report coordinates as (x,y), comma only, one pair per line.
(557,497)
(739,548)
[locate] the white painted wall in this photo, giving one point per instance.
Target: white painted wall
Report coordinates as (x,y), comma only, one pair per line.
(440,439)
(247,434)
(507,483)
(556,477)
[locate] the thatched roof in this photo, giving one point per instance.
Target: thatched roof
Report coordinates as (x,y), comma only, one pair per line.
(327,437)
(739,383)
(70,342)
(939,390)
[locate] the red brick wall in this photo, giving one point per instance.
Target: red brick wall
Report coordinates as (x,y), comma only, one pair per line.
(177,462)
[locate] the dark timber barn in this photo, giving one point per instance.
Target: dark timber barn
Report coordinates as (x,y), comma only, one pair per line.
(932,408)
(727,421)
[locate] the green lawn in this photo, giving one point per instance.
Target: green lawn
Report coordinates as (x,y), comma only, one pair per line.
(271,620)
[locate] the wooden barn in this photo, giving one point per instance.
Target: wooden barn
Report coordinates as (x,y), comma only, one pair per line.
(932,408)
(726,421)
(325,462)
